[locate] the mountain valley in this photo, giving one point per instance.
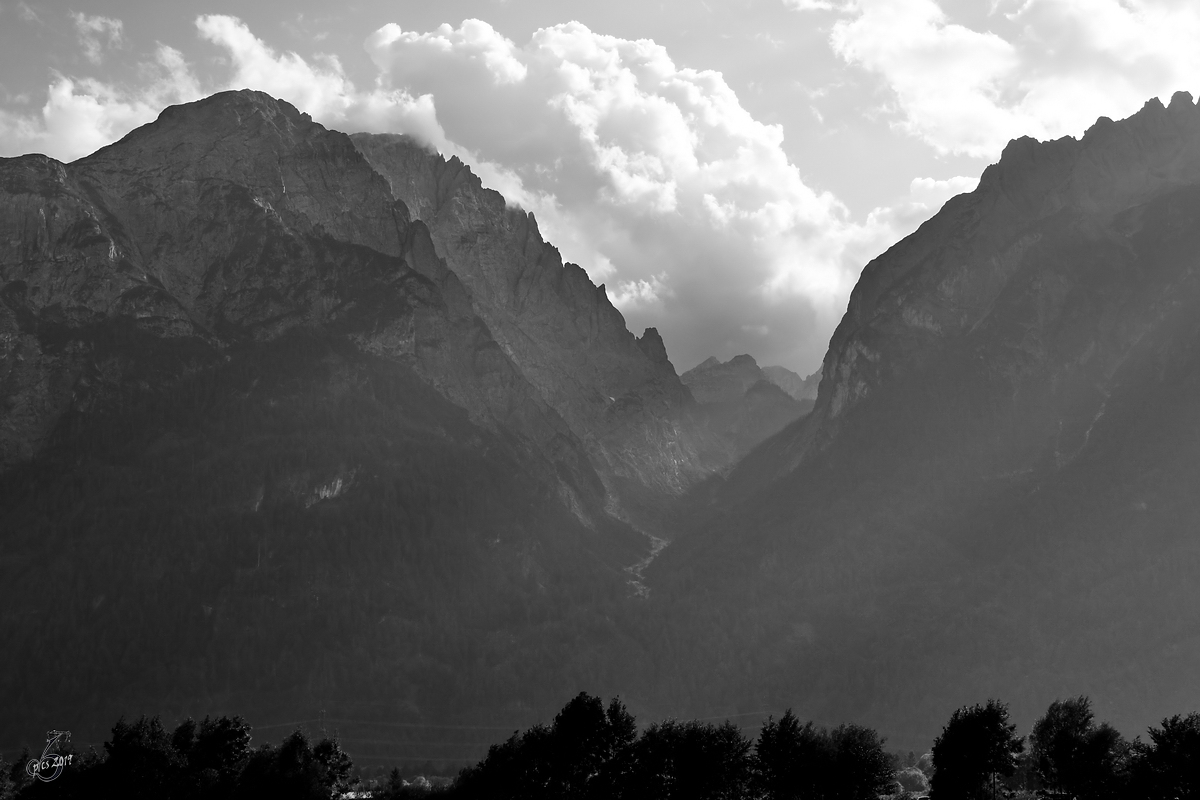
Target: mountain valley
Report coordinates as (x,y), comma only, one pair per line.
(295,423)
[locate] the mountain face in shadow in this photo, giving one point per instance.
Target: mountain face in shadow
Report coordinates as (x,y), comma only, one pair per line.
(741,405)
(995,492)
(262,449)
(793,384)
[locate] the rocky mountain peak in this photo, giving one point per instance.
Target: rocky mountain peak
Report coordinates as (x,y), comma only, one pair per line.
(651,344)
(712,381)
(943,282)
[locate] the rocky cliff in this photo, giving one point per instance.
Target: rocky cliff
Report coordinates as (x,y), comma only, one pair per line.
(986,274)
(618,393)
(230,220)
(257,447)
(991,496)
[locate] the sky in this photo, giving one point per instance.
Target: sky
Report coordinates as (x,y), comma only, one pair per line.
(725,169)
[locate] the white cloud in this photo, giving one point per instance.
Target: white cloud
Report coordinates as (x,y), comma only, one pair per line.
(636,294)
(83,114)
(321,88)
(810,5)
(95,33)
(886,225)
(652,176)
(475,41)
(1053,68)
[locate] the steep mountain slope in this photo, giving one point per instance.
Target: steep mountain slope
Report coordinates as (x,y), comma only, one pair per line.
(258,452)
(994,494)
(619,394)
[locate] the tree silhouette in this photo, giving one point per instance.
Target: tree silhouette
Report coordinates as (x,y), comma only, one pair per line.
(1169,767)
(792,760)
(1074,756)
(692,760)
(295,770)
(585,753)
(977,745)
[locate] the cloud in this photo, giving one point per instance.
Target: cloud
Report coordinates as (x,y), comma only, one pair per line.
(810,5)
(321,88)
(83,114)
(652,176)
(886,225)
(1047,68)
(95,33)
(26,13)
(641,293)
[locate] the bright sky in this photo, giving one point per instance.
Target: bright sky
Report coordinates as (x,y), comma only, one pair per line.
(725,168)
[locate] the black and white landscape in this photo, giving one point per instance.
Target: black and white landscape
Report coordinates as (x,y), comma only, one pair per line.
(303,423)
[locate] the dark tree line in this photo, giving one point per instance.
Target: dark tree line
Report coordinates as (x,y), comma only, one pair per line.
(595,752)
(1069,755)
(210,760)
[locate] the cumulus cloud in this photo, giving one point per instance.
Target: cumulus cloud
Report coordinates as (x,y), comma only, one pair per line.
(1049,68)
(83,114)
(652,176)
(321,88)
(96,33)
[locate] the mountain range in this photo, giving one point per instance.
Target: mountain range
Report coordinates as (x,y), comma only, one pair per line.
(295,421)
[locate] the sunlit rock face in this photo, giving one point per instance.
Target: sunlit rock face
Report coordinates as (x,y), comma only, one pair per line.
(967,512)
(620,394)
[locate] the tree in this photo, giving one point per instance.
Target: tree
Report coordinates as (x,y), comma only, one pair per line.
(1074,756)
(977,745)
(1169,767)
(792,760)
(586,739)
(141,760)
(584,753)
(295,770)
(847,763)
(215,751)
(691,761)
(864,769)
(8,785)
